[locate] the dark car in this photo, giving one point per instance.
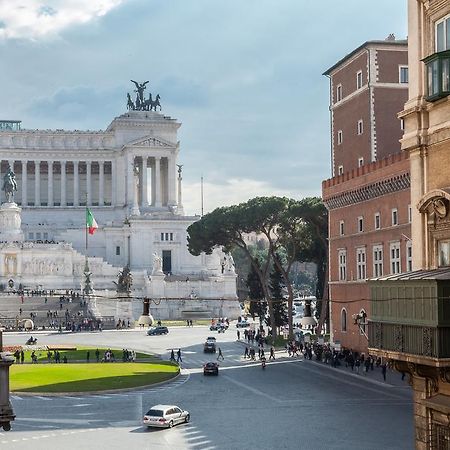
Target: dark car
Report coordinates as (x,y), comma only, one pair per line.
(220,327)
(209,347)
(242,324)
(157,330)
(211,368)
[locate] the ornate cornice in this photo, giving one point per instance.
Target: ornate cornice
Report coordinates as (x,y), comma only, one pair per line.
(369,192)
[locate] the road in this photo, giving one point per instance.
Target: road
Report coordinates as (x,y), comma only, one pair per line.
(293,404)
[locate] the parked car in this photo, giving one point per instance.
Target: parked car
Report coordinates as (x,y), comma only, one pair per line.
(211,339)
(157,330)
(209,347)
(211,368)
(165,416)
(242,324)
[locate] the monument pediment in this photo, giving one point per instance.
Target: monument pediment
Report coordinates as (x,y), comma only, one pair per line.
(151,141)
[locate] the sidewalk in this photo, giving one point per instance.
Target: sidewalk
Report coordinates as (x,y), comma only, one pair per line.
(393,378)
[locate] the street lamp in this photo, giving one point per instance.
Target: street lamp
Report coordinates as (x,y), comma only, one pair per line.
(146,319)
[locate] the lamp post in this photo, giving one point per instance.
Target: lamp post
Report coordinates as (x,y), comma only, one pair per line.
(6,411)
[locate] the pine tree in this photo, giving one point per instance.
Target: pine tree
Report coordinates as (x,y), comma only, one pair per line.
(279,304)
(258,307)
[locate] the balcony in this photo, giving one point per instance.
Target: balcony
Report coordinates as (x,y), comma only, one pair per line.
(410,315)
(438,75)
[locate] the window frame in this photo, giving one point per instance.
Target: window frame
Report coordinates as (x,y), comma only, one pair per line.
(395,259)
(340,170)
(394,217)
(359,79)
(377,260)
(340,137)
(338,92)
(360,161)
(361,263)
(445,21)
(409,259)
(377,226)
(342,264)
(344,320)
(359,127)
(360,224)
(341,228)
(401,68)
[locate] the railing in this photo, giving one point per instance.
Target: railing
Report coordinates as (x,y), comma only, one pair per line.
(416,340)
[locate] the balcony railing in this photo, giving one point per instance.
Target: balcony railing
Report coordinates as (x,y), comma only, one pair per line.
(438,75)
(432,342)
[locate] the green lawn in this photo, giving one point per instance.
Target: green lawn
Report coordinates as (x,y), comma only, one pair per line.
(54,378)
(81,352)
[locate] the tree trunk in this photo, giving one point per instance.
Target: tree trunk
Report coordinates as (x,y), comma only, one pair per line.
(325,302)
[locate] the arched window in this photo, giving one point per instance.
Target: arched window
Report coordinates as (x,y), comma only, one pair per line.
(344,319)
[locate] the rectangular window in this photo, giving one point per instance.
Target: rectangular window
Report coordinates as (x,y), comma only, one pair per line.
(117,250)
(341,228)
(360,127)
(45,236)
(340,170)
(394,216)
(361,263)
(402,124)
(339,137)
(377,260)
(38,236)
(360,224)
(403,74)
(162,236)
(338,92)
(170,236)
(31,236)
(360,162)
(409,214)
(342,260)
(444,253)
(443,34)
(409,256)
(395,258)
(359,80)
(167,261)
(377,221)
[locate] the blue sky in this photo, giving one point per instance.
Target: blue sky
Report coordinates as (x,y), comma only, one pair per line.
(244,77)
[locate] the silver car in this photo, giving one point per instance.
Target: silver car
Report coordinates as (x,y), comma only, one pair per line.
(165,416)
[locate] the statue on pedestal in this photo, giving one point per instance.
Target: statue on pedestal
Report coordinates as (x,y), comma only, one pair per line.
(125,281)
(157,264)
(9,185)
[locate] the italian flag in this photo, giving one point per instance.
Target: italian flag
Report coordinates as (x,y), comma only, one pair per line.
(91,223)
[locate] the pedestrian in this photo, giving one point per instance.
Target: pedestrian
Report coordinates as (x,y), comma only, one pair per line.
(172,355)
(220,355)
(246,352)
(366,365)
(238,335)
(65,359)
(383,370)
(357,364)
(88,356)
(272,352)
(179,355)
(187,323)
(22,357)
(97,355)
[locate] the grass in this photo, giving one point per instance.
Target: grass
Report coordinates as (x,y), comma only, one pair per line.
(81,352)
(55,378)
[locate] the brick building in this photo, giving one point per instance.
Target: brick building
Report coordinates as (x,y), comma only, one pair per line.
(368,197)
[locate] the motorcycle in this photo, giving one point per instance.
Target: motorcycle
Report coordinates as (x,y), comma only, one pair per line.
(31,341)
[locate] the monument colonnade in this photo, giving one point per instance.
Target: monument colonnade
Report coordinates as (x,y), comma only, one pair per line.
(92,182)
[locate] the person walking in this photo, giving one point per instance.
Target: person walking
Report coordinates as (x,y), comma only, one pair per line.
(97,355)
(22,357)
(239,335)
(383,370)
(272,352)
(220,355)
(357,364)
(179,356)
(246,355)
(88,356)
(172,355)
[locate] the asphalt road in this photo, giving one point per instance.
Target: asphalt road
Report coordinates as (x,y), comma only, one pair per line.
(293,404)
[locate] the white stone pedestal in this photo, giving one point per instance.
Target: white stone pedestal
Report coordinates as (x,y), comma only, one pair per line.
(10,222)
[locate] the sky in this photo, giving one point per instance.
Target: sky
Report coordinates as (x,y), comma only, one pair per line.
(243,76)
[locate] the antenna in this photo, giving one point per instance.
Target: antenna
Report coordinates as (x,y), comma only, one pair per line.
(201,193)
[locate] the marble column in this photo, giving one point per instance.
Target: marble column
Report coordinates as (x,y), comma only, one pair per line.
(37,183)
(63,183)
(144,180)
(130,180)
(88,182)
(158,202)
(101,183)
(171,181)
(24,184)
(50,183)
(113,183)
(76,185)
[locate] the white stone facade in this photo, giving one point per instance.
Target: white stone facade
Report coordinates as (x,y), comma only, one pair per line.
(127,176)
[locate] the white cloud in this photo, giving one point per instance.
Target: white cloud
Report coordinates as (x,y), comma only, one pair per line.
(31,19)
(234,191)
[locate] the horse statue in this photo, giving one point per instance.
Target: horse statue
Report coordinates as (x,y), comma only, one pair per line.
(155,103)
(130,104)
(9,185)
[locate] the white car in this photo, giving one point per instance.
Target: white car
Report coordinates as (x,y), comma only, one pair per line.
(165,416)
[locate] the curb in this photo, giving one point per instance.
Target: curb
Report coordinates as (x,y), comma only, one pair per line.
(84,393)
